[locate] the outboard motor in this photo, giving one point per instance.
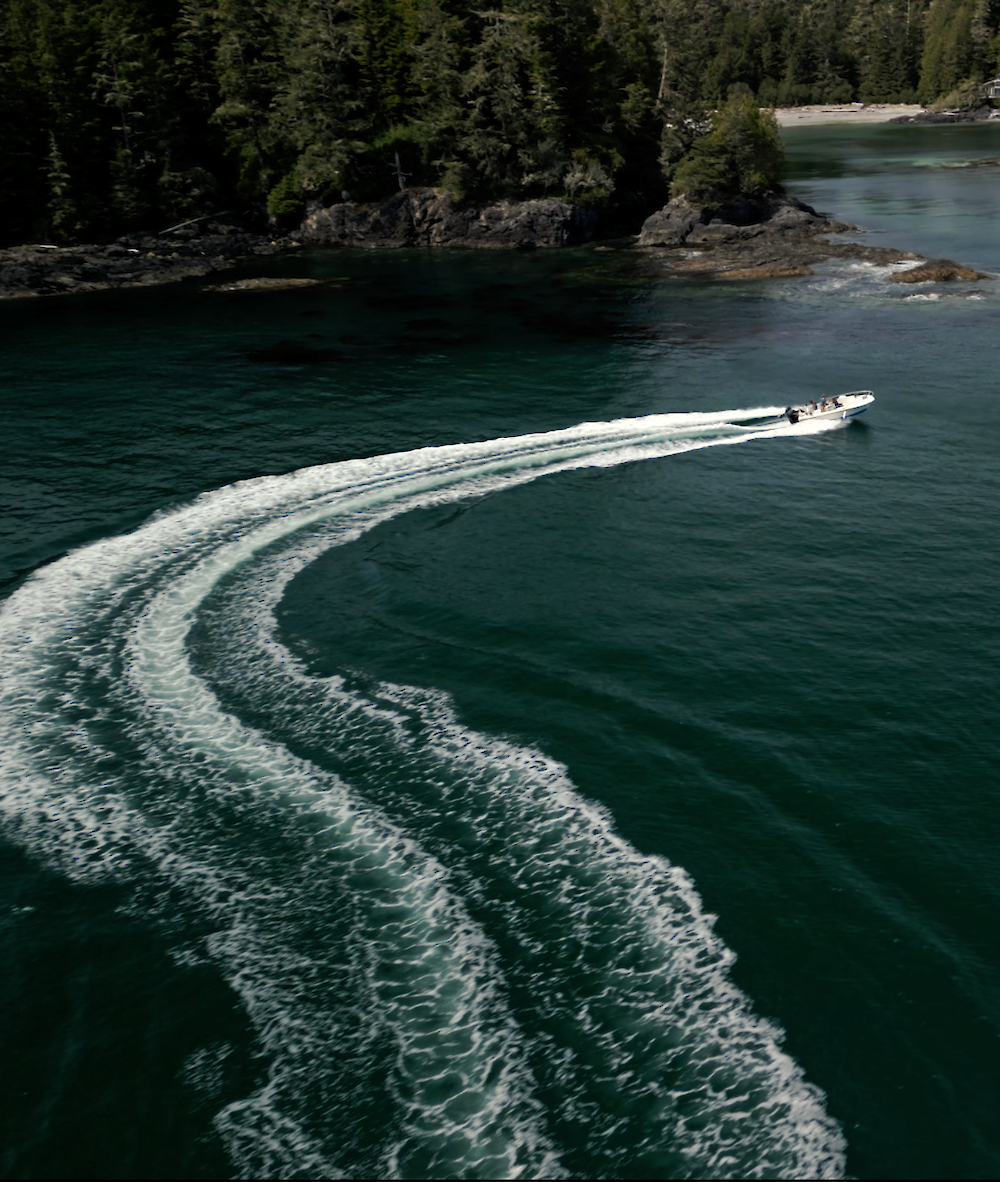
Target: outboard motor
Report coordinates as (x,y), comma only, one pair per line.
(791,414)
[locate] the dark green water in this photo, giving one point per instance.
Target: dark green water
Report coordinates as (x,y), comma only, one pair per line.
(345,813)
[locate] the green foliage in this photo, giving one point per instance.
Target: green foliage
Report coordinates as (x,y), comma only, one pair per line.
(385,30)
(122,114)
(742,155)
(285,202)
(958,47)
(885,36)
(818,65)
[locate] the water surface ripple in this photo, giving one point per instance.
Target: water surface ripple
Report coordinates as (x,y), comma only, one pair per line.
(345,808)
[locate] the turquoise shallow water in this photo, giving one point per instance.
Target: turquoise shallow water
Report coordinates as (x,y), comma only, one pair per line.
(372,820)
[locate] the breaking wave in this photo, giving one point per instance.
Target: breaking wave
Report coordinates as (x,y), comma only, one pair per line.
(452,963)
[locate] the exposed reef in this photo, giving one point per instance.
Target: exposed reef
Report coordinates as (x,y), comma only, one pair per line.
(777,237)
(937,271)
(775,219)
(267,283)
(136,260)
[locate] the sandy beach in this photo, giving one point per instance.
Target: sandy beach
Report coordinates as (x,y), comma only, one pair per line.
(844,113)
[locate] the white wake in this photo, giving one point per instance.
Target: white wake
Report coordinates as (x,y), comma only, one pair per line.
(385,942)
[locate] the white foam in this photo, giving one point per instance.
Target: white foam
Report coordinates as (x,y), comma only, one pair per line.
(663,1017)
(426,965)
(317,895)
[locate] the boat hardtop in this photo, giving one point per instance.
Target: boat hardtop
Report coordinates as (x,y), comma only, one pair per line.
(837,406)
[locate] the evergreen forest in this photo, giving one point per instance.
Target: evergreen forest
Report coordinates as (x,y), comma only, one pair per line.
(137,114)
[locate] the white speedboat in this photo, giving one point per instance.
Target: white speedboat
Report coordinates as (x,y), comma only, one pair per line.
(840,406)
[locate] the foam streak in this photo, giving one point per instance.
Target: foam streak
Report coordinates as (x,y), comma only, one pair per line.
(385,964)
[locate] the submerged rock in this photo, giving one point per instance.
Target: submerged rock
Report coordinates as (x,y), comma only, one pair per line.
(426,217)
(768,271)
(266,283)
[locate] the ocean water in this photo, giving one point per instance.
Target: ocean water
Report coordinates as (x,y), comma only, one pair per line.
(466,751)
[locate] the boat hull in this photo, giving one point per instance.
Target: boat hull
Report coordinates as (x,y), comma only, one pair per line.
(851,405)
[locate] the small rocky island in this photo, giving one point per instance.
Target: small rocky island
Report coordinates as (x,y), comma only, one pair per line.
(776,237)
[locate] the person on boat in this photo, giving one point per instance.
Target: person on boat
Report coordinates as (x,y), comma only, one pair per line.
(812,404)
(836,403)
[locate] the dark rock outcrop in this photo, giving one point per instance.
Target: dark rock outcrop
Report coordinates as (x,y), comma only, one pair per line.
(681,224)
(937,271)
(425,217)
(776,238)
(137,260)
(966,115)
(670,225)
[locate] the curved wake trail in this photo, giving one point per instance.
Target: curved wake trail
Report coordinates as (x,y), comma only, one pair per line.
(453,964)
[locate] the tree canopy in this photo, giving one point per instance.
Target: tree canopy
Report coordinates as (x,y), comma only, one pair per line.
(121,114)
(741,156)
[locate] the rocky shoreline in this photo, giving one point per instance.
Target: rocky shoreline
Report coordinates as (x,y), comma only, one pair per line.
(965,115)
(777,237)
(412,218)
(137,260)
(425,217)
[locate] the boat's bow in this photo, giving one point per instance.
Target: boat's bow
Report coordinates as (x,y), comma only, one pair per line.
(856,403)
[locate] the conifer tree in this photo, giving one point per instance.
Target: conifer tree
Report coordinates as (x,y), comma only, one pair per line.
(440,59)
(248,70)
(511,102)
(956,46)
(885,36)
(122,114)
(741,156)
(316,121)
(818,67)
